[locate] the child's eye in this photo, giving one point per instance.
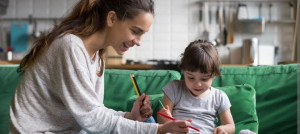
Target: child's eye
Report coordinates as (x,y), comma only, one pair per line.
(191,78)
(204,79)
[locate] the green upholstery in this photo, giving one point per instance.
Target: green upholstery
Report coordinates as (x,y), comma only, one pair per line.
(9,79)
(119,88)
(243,112)
(275,87)
(276,94)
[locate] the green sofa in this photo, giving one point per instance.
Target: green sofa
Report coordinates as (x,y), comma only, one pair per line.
(263,98)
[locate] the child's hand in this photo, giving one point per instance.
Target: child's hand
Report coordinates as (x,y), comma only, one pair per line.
(166,111)
(219,130)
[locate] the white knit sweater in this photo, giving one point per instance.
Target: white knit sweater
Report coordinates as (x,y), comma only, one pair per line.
(63,94)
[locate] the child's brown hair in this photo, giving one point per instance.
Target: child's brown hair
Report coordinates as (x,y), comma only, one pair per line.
(202,56)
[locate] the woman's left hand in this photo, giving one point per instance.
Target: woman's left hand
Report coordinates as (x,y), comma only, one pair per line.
(142,110)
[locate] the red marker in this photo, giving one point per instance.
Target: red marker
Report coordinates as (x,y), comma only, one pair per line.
(171,118)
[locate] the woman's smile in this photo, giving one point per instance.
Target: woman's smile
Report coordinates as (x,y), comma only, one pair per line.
(126,47)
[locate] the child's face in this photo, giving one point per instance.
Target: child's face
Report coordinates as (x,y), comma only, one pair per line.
(198,82)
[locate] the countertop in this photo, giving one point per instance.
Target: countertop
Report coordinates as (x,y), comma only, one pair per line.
(122,66)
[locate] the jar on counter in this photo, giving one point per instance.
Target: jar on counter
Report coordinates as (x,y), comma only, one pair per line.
(9,53)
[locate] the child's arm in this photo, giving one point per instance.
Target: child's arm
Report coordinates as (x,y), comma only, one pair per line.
(227,123)
(167,110)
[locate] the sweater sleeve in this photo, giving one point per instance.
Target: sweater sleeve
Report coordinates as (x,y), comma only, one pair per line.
(77,93)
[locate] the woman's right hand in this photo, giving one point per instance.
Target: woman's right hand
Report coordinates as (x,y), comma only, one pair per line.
(174,127)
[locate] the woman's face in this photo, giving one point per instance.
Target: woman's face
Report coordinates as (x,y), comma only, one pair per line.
(197,82)
(127,33)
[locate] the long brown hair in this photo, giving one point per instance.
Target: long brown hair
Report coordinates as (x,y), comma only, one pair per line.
(202,56)
(87,17)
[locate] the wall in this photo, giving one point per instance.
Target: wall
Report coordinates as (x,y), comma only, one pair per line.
(176,23)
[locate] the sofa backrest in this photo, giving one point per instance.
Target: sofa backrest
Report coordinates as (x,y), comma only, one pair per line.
(276,94)
(119,88)
(9,79)
(119,91)
(242,97)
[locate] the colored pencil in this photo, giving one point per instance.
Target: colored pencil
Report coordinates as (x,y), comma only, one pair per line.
(171,118)
(161,104)
(137,90)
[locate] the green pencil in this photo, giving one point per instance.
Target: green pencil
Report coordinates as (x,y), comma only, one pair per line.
(161,104)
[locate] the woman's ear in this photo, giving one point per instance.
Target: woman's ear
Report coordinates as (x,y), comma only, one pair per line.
(111,18)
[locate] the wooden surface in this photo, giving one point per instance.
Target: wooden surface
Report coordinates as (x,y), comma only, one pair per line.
(123,66)
(143,67)
(129,66)
(9,62)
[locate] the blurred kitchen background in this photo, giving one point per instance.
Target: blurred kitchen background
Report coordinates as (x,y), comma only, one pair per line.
(245,32)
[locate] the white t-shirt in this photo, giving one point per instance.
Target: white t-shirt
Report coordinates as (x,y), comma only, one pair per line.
(203,111)
(61,93)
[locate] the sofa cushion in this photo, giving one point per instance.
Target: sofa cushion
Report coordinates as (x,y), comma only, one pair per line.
(118,86)
(243,106)
(276,94)
(242,98)
(9,79)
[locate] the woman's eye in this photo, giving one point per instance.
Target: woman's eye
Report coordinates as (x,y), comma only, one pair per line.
(190,78)
(134,32)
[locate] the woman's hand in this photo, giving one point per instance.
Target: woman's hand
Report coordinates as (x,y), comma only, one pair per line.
(175,127)
(141,109)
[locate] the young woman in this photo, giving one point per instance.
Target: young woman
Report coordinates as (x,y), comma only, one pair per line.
(62,87)
(193,97)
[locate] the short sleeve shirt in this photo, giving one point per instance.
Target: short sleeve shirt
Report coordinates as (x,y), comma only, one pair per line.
(203,111)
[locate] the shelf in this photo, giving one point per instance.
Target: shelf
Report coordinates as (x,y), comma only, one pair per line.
(282,22)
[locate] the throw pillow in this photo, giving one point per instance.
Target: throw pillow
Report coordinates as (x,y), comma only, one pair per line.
(243,106)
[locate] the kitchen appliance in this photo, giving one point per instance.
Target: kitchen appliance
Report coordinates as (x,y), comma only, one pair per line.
(250,52)
(224,54)
(266,54)
(242,11)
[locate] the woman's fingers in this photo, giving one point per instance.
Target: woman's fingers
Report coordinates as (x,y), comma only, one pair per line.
(146,100)
(146,107)
(181,126)
(143,106)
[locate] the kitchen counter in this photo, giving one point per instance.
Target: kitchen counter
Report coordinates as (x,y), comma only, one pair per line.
(3,62)
(130,66)
(123,66)
(145,66)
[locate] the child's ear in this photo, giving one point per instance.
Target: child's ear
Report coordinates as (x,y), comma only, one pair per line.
(111,18)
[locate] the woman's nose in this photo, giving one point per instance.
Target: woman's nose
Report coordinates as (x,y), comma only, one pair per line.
(137,40)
